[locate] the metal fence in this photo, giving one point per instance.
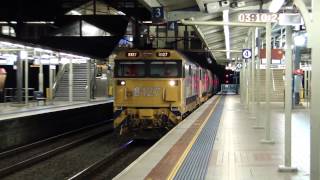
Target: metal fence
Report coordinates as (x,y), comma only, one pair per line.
(229,88)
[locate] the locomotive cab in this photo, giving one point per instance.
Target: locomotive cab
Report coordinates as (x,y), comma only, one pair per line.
(155,89)
(147,92)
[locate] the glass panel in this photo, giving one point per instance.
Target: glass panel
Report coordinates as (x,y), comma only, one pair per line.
(163,69)
(131,69)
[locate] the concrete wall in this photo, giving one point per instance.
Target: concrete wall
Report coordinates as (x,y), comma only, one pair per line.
(19,131)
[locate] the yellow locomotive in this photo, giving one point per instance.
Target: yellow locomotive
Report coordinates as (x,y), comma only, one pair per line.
(155,89)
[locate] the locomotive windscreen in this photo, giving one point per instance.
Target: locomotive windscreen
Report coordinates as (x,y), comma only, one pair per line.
(164,69)
(130,69)
(150,68)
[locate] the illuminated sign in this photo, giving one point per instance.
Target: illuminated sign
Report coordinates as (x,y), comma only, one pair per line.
(132,54)
(163,54)
(258,17)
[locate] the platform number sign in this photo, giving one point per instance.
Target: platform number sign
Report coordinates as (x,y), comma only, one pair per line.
(246,53)
(157,14)
(172,25)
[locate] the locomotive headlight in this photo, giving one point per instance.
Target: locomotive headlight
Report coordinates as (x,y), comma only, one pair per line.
(121,82)
(173,83)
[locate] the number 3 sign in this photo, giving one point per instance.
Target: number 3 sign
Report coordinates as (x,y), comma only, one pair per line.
(157,13)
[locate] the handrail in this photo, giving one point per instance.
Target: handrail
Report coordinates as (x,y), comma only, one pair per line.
(58,78)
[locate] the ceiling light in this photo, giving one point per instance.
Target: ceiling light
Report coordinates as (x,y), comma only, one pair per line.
(213,7)
(73,12)
(226,32)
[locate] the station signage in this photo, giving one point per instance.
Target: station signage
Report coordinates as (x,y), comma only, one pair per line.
(246,53)
(158,14)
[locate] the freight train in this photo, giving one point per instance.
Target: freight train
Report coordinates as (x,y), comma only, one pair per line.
(155,89)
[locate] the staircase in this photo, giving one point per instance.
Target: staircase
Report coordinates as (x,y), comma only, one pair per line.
(277,85)
(79,83)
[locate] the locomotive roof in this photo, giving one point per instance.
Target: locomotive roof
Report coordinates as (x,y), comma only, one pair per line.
(153,54)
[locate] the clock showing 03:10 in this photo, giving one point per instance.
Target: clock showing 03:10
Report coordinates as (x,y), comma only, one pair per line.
(258,17)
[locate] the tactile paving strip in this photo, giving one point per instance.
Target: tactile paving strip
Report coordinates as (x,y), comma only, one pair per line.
(196,163)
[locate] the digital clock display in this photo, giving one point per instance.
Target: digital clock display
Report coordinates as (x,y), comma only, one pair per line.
(132,54)
(163,54)
(258,17)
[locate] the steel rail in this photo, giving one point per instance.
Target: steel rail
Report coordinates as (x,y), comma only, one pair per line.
(48,140)
(35,159)
(108,159)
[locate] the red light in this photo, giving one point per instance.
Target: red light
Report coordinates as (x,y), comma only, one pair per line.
(227,75)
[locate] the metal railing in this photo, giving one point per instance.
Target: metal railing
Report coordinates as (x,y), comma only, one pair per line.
(230,88)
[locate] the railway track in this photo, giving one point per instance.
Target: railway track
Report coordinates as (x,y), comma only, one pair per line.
(107,160)
(29,161)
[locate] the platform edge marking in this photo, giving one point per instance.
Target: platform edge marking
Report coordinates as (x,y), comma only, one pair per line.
(187,150)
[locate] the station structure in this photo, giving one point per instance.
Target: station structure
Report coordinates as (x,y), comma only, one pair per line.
(57,70)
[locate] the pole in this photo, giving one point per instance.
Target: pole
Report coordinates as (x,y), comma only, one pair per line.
(50,84)
(40,76)
(246,83)
(258,77)
(19,79)
(288,105)
(267,139)
(26,79)
(70,81)
(89,79)
(315,93)
(253,68)
(249,86)
(241,85)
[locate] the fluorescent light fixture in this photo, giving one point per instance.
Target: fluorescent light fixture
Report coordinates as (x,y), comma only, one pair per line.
(275,5)
(226,32)
(121,13)
(39,22)
(213,7)
(73,12)
(23,54)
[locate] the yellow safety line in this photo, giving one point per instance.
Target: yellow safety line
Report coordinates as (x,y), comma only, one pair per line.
(187,150)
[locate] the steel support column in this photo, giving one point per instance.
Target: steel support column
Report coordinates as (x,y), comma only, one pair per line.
(258,124)
(50,84)
(19,79)
(253,68)
(89,80)
(288,105)
(26,80)
(241,85)
(246,83)
(267,138)
(249,85)
(40,76)
(315,91)
(70,81)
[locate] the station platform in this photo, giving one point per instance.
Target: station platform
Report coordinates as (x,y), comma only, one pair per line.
(218,142)
(10,110)
(20,125)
